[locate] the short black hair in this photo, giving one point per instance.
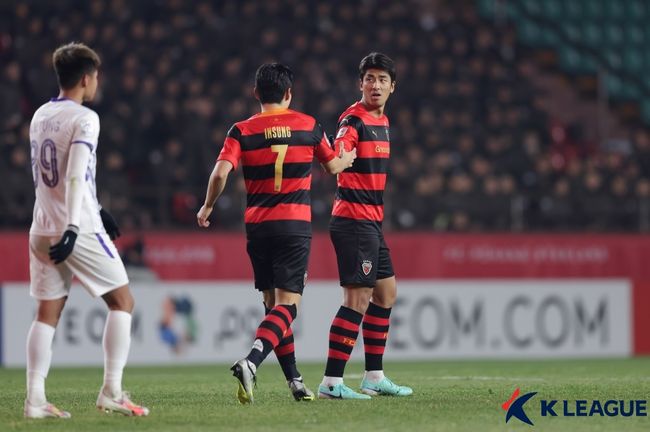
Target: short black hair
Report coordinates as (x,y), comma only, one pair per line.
(377,60)
(272,80)
(73,61)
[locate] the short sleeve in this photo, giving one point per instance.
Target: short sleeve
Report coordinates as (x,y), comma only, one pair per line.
(231,150)
(347,133)
(86,130)
(323,150)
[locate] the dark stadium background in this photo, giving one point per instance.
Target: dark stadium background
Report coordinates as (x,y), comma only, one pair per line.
(508,116)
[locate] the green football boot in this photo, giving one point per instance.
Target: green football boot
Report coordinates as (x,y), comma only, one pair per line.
(339,391)
(385,387)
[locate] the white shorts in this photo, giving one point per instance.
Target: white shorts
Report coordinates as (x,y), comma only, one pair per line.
(94,261)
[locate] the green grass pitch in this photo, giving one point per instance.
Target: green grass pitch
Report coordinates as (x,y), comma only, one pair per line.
(449,396)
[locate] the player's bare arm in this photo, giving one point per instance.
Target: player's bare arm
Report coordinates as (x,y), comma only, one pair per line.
(216,184)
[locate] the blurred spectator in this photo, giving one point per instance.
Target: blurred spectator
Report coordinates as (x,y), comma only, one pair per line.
(11,106)
(472,148)
(557,208)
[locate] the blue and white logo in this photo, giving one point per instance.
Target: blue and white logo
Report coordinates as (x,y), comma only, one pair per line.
(514,406)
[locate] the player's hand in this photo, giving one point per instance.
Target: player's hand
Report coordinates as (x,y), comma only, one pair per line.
(60,251)
(347,157)
(203,215)
(110,225)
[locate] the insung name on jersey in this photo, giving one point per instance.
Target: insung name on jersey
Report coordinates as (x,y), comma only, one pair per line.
(277,132)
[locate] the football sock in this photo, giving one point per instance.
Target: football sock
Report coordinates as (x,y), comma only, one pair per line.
(271,331)
(343,335)
(39,357)
(116,342)
(375,333)
(374,376)
(286,354)
(331,381)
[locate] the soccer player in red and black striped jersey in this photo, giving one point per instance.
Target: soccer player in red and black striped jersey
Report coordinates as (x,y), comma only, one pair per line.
(365,267)
(276,149)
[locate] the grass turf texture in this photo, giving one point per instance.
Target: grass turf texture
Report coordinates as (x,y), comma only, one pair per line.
(449,396)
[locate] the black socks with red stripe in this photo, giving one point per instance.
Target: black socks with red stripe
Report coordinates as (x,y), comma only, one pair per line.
(287,357)
(285,352)
(343,335)
(375,334)
(271,332)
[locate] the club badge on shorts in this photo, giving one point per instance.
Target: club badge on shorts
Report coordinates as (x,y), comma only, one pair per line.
(366,267)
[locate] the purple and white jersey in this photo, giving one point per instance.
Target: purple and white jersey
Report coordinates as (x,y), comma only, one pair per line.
(55,127)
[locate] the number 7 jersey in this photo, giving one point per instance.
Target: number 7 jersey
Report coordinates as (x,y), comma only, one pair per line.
(276,150)
(55,127)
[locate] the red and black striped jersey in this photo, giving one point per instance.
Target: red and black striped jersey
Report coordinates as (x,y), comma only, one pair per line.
(359,203)
(276,150)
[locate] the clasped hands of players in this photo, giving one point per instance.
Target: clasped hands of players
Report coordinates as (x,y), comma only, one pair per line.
(349,157)
(352,154)
(62,250)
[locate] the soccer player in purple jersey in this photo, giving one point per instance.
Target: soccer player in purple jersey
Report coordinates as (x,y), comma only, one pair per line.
(71,235)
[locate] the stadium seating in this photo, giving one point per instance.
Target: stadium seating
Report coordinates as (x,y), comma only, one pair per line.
(472,149)
(588,35)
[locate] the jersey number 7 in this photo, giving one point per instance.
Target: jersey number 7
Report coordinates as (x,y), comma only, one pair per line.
(281,150)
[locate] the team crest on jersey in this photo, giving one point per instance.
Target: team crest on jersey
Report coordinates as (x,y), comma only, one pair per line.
(342,132)
(366,267)
(86,128)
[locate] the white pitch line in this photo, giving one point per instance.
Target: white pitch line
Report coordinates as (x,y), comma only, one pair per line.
(504,378)
(485,378)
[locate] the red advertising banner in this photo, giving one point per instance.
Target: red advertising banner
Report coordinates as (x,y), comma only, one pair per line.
(222,256)
(211,256)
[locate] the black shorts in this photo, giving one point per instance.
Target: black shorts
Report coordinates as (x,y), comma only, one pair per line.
(362,258)
(279,262)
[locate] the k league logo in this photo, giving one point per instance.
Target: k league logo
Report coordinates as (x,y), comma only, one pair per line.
(514,406)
